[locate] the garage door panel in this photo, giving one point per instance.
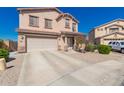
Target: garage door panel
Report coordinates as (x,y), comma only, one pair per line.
(37,44)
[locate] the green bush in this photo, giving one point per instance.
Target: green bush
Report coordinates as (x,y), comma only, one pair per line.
(4,53)
(104,49)
(90,47)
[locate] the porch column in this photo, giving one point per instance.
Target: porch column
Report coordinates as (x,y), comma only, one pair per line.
(66,45)
(66,41)
(74,43)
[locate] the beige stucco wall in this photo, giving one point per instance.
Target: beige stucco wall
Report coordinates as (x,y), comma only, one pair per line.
(21,43)
(57,26)
(91,37)
(61,25)
(24,20)
(106,31)
(61,43)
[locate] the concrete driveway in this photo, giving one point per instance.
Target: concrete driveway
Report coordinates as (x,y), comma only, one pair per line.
(59,68)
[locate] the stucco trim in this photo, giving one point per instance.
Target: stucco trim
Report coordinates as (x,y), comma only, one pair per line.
(71,33)
(68,15)
(42,8)
(28,31)
(111,34)
(114,25)
(119,19)
(109,22)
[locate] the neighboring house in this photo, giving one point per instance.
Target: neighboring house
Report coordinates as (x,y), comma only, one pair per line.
(105,33)
(10,45)
(46,28)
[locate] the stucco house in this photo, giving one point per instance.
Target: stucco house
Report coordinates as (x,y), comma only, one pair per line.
(111,31)
(46,28)
(10,45)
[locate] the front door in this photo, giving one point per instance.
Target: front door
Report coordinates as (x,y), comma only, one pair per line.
(70,42)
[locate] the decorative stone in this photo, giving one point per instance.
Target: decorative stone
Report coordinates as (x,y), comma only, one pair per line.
(2,64)
(96,51)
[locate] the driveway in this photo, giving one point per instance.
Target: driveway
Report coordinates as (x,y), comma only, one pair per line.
(59,68)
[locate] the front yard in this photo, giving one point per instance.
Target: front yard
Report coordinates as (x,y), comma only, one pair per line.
(9,77)
(96,57)
(64,68)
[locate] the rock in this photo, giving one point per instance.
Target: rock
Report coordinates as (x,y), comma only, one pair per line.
(2,64)
(96,51)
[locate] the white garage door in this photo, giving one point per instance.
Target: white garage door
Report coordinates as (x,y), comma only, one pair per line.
(37,44)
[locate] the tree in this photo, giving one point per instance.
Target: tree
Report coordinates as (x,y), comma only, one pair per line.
(1,43)
(79,40)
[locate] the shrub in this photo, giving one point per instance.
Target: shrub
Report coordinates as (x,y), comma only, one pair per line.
(4,53)
(90,47)
(104,49)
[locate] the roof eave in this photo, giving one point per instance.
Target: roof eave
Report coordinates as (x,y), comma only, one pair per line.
(29,9)
(119,19)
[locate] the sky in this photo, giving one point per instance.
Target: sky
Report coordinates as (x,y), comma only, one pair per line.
(88,17)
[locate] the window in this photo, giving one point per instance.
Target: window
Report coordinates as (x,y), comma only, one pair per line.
(33,21)
(74,27)
(98,29)
(113,30)
(67,25)
(117,43)
(113,43)
(101,29)
(122,43)
(48,23)
(110,42)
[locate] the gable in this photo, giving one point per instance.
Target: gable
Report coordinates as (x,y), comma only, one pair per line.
(119,23)
(114,35)
(66,15)
(114,26)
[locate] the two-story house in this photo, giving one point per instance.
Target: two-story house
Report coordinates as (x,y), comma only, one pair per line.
(107,32)
(46,28)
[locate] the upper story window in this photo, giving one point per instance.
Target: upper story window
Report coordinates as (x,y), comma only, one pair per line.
(34,21)
(73,27)
(67,25)
(48,23)
(113,30)
(100,29)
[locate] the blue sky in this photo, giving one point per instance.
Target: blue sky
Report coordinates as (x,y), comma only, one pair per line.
(88,17)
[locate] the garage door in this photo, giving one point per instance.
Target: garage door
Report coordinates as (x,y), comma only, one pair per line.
(37,44)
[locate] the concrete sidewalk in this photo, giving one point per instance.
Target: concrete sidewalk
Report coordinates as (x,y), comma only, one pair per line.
(55,68)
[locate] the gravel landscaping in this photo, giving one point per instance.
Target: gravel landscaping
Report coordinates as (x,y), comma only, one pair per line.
(9,77)
(93,57)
